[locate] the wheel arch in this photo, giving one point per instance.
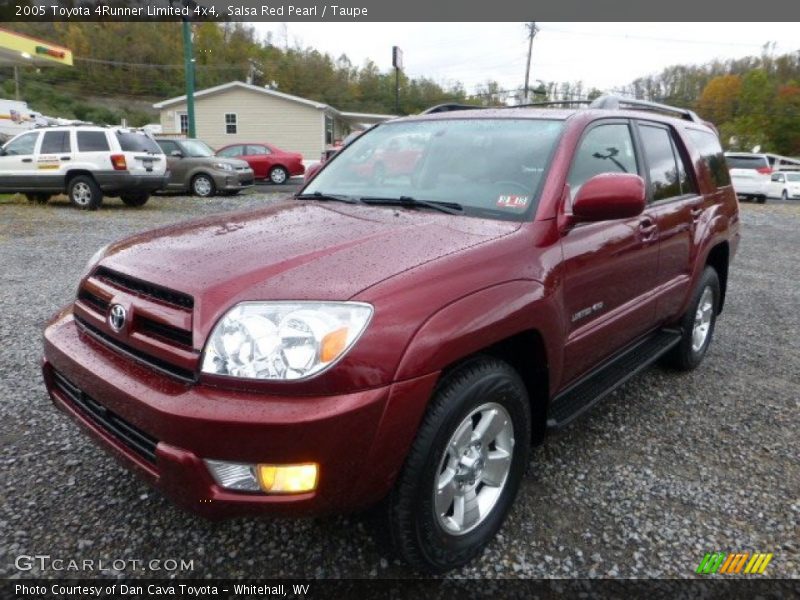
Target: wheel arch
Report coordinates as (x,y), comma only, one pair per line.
(719,258)
(515,322)
(73,173)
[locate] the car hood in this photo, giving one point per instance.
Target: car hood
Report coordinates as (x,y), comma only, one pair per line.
(294,250)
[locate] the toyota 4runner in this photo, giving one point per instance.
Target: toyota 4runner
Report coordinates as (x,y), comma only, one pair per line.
(404,339)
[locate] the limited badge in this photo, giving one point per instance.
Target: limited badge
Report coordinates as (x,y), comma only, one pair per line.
(512,201)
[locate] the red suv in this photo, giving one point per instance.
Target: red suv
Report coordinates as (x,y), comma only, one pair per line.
(267,161)
(405,339)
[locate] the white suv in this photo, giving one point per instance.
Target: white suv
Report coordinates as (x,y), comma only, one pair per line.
(86,162)
(750,174)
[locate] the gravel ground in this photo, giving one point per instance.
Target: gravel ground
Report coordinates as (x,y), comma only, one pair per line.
(670,467)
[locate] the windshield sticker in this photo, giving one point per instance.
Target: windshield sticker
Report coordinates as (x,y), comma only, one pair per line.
(511,201)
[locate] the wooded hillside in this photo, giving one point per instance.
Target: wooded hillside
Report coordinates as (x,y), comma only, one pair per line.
(753,100)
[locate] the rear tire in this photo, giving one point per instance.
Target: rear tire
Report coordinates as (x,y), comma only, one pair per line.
(38,198)
(761,199)
(84,192)
(464,468)
(278,175)
(135,199)
(697,324)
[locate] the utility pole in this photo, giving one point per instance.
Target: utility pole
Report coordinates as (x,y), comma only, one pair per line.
(397,63)
(188,68)
(532,31)
(16,83)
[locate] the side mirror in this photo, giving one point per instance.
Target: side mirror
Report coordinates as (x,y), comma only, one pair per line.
(609,196)
(176,154)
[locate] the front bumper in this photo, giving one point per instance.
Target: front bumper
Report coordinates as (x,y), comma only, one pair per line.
(230,181)
(117,182)
(122,403)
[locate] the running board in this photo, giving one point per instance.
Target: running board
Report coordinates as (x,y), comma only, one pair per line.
(584,394)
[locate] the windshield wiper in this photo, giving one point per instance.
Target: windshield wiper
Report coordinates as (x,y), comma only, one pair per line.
(324,196)
(451,208)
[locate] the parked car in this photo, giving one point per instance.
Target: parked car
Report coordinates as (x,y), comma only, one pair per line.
(85,162)
(407,339)
(750,174)
(328,154)
(194,167)
(267,161)
(785,185)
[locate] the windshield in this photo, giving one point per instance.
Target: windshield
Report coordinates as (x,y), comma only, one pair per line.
(130,141)
(491,167)
(196,149)
(746,162)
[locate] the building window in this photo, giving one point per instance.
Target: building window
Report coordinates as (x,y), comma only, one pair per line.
(183,119)
(230,123)
(328,130)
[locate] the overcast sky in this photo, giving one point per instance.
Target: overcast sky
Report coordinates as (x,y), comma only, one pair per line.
(602,55)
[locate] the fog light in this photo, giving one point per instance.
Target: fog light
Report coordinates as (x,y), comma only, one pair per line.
(234,476)
(288,479)
(272,479)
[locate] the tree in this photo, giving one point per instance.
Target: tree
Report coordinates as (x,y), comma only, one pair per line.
(720,99)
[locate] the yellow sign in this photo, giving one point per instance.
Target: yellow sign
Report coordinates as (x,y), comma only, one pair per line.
(19,49)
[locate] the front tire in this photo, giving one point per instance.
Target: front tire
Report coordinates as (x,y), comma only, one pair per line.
(135,199)
(697,324)
(785,195)
(203,186)
(464,468)
(761,199)
(278,175)
(84,192)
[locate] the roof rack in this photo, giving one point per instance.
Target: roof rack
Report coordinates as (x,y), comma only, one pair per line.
(439,108)
(452,107)
(608,102)
(620,102)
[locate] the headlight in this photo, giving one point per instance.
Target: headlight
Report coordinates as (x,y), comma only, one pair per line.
(223,166)
(283,340)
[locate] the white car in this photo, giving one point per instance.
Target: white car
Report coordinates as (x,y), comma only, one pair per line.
(85,162)
(750,174)
(785,185)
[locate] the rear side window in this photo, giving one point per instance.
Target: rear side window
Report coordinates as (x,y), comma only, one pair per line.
(168,146)
(708,145)
(605,149)
(747,162)
(136,142)
(668,174)
(55,142)
(92,141)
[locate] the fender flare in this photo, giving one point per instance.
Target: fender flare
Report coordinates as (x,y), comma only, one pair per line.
(480,320)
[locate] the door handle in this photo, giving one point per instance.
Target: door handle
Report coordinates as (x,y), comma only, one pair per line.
(696,212)
(27,160)
(66,158)
(647,229)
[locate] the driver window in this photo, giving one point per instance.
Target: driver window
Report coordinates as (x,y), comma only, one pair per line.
(22,146)
(605,149)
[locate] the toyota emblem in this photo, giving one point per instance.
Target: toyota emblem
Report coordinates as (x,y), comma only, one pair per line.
(116,317)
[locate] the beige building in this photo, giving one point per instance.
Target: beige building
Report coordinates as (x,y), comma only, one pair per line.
(238,112)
